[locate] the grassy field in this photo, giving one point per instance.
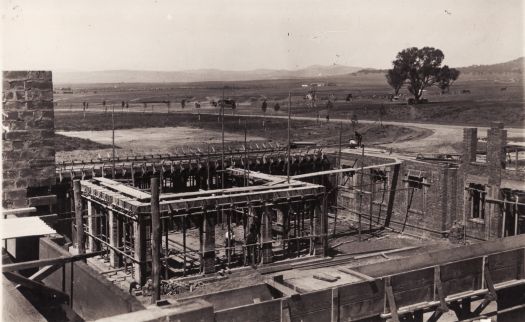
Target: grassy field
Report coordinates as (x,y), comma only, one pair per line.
(491,97)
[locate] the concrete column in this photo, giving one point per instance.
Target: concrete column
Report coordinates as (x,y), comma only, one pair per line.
(208,242)
(266,234)
(92,227)
(114,238)
(139,235)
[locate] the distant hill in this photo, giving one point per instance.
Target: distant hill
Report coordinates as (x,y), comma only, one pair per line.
(200,75)
(513,66)
(204,75)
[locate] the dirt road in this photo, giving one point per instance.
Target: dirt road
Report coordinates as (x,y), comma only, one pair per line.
(445,138)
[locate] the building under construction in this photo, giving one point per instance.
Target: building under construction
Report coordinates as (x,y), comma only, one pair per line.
(244,233)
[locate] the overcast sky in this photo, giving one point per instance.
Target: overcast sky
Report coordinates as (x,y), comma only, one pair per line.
(243,35)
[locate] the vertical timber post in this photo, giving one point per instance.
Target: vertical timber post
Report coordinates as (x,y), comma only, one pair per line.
(324,223)
(91,225)
(139,246)
(208,242)
(392,195)
(266,234)
(113,239)
(78,217)
(155,239)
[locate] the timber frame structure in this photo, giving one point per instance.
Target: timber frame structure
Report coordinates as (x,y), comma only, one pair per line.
(119,219)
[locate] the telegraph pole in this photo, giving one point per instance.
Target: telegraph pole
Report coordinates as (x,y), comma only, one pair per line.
(289,145)
(222,132)
(113,141)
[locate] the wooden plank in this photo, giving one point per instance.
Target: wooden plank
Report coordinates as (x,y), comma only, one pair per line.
(441,257)
(17,211)
(343,170)
(43,273)
(37,287)
(48,261)
(282,288)
(326,277)
(317,301)
(356,273)
(123,188)
(42,200)
(391,301)
(439,289)
(15,307)
(335,305)
(229,191)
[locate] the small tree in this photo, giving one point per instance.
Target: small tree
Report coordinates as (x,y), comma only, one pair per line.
(264,106)
(395,78)
(446,77)
(276,107)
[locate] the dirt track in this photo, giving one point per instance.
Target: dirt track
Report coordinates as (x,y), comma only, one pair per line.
(445,138)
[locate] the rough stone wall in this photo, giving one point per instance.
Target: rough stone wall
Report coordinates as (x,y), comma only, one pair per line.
(28,151)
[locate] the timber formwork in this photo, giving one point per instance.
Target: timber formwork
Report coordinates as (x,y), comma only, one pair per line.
(457,283)
(206,165)
(119,219)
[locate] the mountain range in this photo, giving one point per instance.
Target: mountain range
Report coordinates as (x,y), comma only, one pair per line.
(202,75)
(198,75)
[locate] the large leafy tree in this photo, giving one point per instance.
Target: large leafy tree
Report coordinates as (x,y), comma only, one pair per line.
(419,69)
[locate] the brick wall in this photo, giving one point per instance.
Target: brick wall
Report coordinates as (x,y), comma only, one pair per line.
(428,209)
(28,152)
(489,174)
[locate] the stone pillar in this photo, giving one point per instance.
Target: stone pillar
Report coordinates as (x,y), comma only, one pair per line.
(93,227)
(139,235)
(208,242)
(114,239)
(470,144)
(28,147)
(266,234)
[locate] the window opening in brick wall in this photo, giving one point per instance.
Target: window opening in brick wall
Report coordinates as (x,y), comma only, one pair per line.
(416,191)
(477,200)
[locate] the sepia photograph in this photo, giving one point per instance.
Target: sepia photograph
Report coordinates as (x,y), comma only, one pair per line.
(263,161)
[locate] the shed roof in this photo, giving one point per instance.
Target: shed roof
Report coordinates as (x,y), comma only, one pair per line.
(24,227)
